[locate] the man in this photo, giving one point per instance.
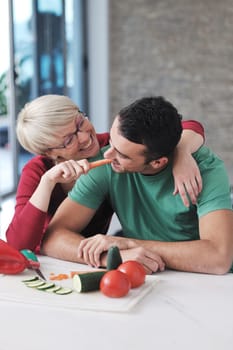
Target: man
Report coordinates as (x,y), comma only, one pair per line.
(157,229)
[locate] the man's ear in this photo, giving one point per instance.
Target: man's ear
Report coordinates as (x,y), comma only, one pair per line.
(159,163)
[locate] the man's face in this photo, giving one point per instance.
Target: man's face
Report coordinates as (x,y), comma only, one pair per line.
(126,156)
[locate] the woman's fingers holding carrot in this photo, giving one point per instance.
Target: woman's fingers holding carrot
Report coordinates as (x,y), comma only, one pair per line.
(71,169)
(86,166)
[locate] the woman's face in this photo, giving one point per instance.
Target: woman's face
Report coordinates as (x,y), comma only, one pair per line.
(77,140)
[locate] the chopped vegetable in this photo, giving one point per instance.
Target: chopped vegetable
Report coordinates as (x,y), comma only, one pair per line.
(63,291)
(115,284)
(31,279)
(59,277)
(46,286)
(113,258)
(35,284)
(87,282)
(135,271)
(53,289)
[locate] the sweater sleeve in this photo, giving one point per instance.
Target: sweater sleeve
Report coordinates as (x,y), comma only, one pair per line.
(27,226)
(195,126)
(103,139)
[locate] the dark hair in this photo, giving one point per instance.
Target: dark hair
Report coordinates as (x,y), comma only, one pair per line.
(153,122)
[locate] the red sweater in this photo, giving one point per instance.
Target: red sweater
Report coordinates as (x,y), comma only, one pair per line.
(29,223)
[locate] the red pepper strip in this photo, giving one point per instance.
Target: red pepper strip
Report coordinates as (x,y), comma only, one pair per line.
(11,260)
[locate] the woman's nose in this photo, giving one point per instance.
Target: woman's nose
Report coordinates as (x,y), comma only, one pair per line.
(83,137)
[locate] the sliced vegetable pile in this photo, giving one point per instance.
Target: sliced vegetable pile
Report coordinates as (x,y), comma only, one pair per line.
(115,282)
(36,282)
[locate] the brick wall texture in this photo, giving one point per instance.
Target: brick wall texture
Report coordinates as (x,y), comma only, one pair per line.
(182,50)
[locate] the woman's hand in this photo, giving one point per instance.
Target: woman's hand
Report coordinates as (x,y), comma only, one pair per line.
(67,171)
(187,178)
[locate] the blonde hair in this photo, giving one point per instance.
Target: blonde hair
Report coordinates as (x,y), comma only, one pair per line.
(39,123)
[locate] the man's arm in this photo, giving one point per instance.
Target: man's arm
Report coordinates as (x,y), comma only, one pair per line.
(212,253)
(62,239)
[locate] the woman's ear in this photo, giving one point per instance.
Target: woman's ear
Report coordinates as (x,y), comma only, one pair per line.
(49,154)
(159,163)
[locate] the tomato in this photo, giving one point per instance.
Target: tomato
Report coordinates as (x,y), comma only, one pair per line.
(135,271)
(115,284)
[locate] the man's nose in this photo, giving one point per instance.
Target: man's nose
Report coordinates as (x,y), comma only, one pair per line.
(109,153)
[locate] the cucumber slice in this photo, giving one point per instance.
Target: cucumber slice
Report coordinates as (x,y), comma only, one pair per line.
(31,279)
(50,287)
(46,286)
(53,289)
(35,284)
(87,282)
(113,258)
(63,291)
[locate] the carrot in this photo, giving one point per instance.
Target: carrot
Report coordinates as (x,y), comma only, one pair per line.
(99,163)
(65,276)
(59,277)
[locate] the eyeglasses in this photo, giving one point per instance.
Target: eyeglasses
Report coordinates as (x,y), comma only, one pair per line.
(81,124)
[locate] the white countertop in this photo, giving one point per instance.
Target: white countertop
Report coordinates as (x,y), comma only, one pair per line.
(180,311)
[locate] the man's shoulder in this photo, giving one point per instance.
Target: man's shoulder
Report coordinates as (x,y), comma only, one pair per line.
(215,194)
(203,151)
(205,156)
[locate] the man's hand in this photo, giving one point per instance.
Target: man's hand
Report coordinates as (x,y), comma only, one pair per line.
(151,261)
(91,250)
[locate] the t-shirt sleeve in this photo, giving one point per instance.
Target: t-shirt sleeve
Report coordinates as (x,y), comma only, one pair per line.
(215,194)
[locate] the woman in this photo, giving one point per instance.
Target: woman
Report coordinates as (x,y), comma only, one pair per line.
(53,128)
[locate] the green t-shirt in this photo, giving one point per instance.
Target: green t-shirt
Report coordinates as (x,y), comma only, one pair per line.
(145,205)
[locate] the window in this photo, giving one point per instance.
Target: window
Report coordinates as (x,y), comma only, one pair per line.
(47,56)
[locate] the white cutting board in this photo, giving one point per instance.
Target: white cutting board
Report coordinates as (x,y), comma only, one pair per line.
(13,289)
